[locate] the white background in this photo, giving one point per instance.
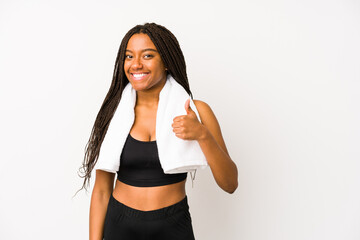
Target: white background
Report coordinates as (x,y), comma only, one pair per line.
(283,78)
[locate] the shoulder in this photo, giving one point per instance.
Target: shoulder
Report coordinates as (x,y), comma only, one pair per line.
(201,105)
(205,112)
(208,119)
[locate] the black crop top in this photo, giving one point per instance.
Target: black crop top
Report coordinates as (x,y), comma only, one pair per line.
(140,165)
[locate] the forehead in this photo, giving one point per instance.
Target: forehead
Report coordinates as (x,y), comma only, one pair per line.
(140,41)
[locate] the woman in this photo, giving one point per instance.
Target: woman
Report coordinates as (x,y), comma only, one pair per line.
(150,210)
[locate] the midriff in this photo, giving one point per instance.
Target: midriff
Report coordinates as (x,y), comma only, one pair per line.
(149,198)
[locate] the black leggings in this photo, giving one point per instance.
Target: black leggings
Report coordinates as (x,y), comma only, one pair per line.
(126,223)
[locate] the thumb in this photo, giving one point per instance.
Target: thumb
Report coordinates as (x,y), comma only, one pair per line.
(187,107)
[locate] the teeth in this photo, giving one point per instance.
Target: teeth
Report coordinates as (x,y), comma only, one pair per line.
(139,75)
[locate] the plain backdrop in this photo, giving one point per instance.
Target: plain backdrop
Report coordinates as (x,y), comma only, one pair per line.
(282,77)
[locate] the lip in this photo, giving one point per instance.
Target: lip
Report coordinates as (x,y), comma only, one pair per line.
(141,76)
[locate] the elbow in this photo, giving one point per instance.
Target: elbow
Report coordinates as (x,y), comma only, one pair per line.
(231,189)
(233,185)
(233,182)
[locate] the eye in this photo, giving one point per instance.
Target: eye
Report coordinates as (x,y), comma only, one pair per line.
(128,56)
(148,56)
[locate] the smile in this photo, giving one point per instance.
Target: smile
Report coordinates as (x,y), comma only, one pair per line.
(139,76)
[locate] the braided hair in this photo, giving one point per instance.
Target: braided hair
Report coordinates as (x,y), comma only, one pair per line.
(173,59)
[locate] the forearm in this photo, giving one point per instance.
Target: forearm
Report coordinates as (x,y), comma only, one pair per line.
(98,208)
(223,168)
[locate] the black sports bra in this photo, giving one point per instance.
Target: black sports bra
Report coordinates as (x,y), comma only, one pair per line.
(140,165)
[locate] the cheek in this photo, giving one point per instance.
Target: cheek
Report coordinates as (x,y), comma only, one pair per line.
(126,67)
(159,66)
(126,70)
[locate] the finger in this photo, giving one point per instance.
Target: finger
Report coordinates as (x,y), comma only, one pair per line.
(176,124)
(178,132)
(179,118)
(180,135)
(187,106)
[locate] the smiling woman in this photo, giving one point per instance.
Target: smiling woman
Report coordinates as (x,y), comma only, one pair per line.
(149,200)
(143,65)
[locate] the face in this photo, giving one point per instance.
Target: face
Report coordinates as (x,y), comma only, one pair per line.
(143,65)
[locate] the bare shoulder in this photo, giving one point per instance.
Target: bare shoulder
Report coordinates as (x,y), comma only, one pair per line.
(201,104)
(208,118)
(204,110)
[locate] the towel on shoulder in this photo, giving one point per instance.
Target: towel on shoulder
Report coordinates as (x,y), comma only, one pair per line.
(176,155)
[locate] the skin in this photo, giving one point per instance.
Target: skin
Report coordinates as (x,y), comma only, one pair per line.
(142,57)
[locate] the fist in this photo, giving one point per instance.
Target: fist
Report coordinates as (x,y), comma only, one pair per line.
(187,126)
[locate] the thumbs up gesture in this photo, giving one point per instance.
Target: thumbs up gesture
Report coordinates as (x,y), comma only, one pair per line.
(187,126)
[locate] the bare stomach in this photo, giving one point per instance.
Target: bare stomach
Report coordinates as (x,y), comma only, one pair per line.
(149,198)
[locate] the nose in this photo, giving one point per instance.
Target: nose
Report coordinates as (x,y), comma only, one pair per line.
(136,63)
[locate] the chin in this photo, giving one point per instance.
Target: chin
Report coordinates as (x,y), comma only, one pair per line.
(139,86)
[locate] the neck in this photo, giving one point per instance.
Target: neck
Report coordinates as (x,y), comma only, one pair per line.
(149,97)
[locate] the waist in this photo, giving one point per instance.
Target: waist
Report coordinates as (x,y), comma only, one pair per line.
(149,198)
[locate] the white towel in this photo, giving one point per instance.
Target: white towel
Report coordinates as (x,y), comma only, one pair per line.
(176,155)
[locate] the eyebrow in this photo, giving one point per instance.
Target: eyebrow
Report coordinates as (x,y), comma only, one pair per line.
(144,50)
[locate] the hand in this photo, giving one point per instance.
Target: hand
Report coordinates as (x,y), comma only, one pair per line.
(187,126)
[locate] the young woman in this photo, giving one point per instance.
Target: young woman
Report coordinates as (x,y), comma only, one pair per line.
(150,209)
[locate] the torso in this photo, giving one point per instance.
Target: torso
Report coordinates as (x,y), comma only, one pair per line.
(147,198)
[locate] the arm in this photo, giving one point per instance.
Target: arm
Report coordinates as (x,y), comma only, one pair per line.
(104,183)
(209,137)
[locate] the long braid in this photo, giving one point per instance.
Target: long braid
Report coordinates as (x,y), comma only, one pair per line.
(170,52)
(173,58)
